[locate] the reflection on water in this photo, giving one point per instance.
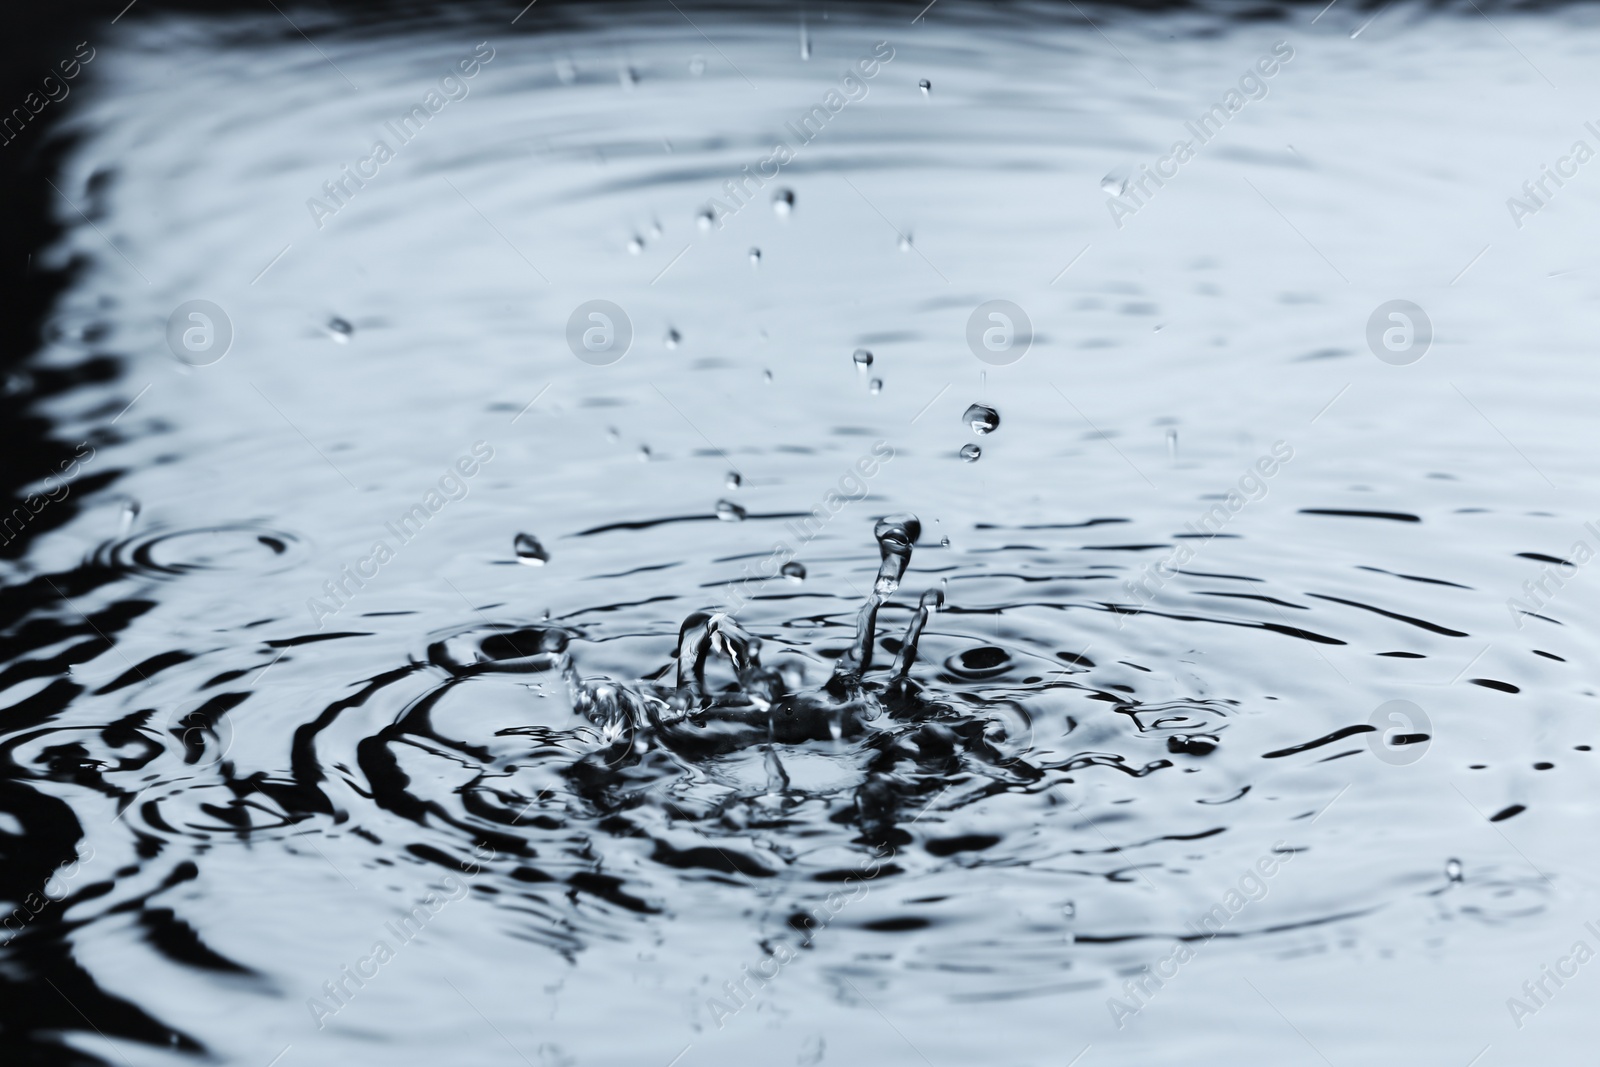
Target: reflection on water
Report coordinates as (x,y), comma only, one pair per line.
(680,518)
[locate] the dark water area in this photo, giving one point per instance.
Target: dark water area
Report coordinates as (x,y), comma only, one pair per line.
(637,533)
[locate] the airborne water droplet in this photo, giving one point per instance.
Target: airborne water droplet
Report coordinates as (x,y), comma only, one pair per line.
(926,86)
(1116,183)
(982,419)
(628,77)
(130,515)
(340,330)
(530,551)
(728,511)
(876,386)
(863,359)
(1172,447)
(755,257)
(636,245)
(970,453)
(644,453)
(766,376)
(905,242)
(706,219)
(673,337)
(697,66)
(944,542)
(735,479)
(1452,870)
(795,571)
(783,201)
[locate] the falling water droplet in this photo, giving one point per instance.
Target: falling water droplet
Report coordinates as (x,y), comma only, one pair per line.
(628,77)
(697,66)
(876,386)
(728,511)
(926,86)
(863,359)
(755,257)
(644,453)
(530,551)
(944,542)
(982,419)
(673,337)
(1116,182)
(705,220)
(636,245)
(971,453)
(612,435)
(566,73)
(794,571)
(130,515)
(783,201)
(1172,447)
(1452,870)
(766,376)
(340,330)
(735,479)
(655,224)
(905,242)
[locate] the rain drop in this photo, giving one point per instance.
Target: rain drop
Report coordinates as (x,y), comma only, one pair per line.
(876,386)
(673,337)
(644,453)
(926,86)
(697,66)
(706,219)
(1452,870)
(734,480)
(628,77)
(970,453)
(636,245)
(863,359)
(766,376)
(530,551)
(565,71)
(783,201)
(794,571)
(340,330)
(130,515)
(905,242)
(944,542)
(982,419)
(728,511)
(755,257)
(612,435)
(1172,447)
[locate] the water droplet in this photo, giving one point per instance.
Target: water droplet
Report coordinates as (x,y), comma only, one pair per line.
(16,383)
(644,453)
(1069,910)
(766,376)
(728,511)
(863,359)
(636,245)
(673,337)
(783,201)
(1116,183)
(1172,447)
(697,66)
(530,551)
(706,219)
(612,435)
(970,453)
(566,73)
(944,542)
(735,480)
(655,224)
(876,386)
(340,330)
(795,571)
(130,515)
(1452,870)
(982,419)
(926,86)
(628,77)
(755,257)
(905,242)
